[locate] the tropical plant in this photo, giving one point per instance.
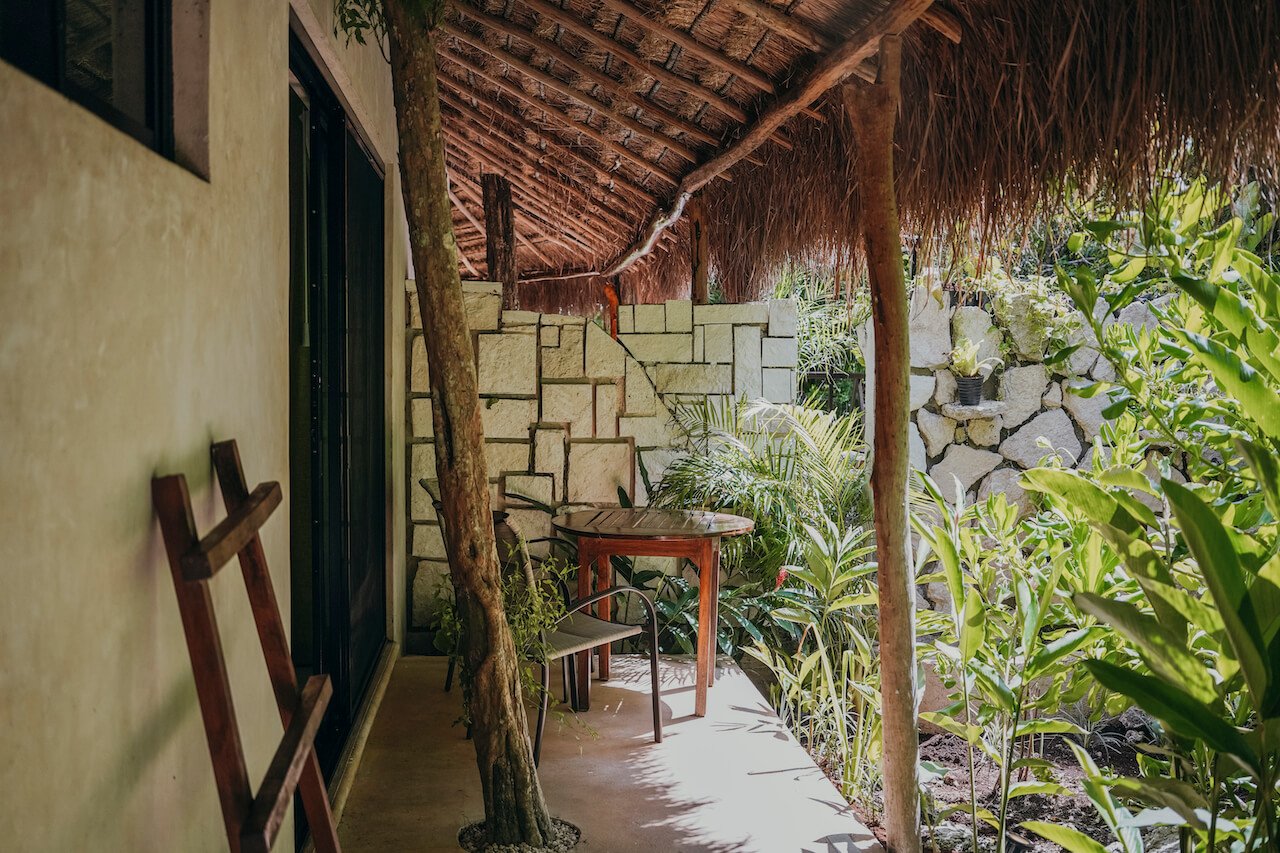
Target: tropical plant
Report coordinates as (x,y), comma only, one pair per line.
(965,361)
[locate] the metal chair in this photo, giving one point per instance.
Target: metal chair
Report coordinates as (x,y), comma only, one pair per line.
(577,632)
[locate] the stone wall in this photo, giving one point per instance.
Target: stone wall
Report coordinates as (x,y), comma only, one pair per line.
(571,415)
(1029,410)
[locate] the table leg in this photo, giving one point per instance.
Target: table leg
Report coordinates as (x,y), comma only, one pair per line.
(586,561)
(706,645)
(604,580)
(715,610)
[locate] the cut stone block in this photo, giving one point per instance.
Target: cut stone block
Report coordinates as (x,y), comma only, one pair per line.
(531,524)
(520,318)
(566,360)
(679,315)
(421,417)
(626,319)
(419,379)
(964,463)
(508,364)
(1021,389)
(777,385)
(549,454)
(650,318)
(549,336)
(538,487)
(782,318)
(608,408)
(930,329)
(756,313)
(412,316)
(694,378)
(657,460)
(420,508)
(921,390)
(641,399)
(718,347)
(422,462)
(483,304)
(937,431)
(428,542)
(570,404)
(747,379)
(505,457)
(699,338)
(597,469)
(660,348)
(779,352)
(1025,448)
(606,359)
(652,431)
(508,418)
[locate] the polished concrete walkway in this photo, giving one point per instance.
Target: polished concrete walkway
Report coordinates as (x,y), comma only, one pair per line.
(733,781)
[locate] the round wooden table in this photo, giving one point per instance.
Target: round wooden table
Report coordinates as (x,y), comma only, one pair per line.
(604,533)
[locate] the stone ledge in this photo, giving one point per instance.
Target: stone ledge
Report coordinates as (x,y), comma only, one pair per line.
(985,409)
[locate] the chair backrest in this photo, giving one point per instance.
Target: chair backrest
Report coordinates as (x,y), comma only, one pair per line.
(513,552)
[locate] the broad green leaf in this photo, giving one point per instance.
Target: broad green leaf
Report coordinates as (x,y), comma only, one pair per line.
(1175,794)
(1071,840)
(973,626)
(1058,649)
(969,733)
(1035,786)
(1047,727)
(1240,381)
(994,686)
(1220,567)
(1238,317)
(1162,650)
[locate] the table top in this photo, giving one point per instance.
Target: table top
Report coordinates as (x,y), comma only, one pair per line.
(622,523)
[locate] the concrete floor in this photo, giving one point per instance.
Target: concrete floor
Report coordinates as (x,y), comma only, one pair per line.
(733,781)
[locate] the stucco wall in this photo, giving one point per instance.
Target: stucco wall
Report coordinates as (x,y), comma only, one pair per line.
(142,314)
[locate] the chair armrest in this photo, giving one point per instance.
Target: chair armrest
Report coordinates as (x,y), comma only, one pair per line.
(575,606)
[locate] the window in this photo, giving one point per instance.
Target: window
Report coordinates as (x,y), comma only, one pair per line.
(112,56)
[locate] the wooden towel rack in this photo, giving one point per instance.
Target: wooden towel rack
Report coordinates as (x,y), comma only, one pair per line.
(252,820)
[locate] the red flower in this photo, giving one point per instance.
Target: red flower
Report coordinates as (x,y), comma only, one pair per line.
(782,578)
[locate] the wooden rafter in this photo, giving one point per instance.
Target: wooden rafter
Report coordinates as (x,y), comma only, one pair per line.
(457,203)
(464,186)
(808,36)
(471,188)
(831,70)
(583,127)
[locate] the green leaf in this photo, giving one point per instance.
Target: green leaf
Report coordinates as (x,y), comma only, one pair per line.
(1220,567)
(1240,381)
(1058,649)
(973,626)
(1175,794)
(1035,786)
(969,733)
(1071,840)
(1047,727)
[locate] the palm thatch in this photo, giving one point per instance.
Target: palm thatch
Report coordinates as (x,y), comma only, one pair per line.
(1101,94)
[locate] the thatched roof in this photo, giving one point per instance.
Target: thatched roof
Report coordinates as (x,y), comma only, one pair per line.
(596,109)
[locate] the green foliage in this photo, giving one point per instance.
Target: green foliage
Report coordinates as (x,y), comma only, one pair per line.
(965,361)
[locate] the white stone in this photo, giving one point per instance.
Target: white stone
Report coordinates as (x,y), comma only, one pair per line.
(747,379)
(921,390)
(1029,336)
(930,329)
(777,385)
(1138,315)
(504,457)
(1103,370)
(970,322)
(570,404)
(779,352)
(549,454)
(413,316)
(482,301)
(945,389)
(1082,361)
(420,411)
(1021,389)
(1025,446)
(651,318)
(531,524)
(564,361)
(608,408)
(626,319)
(517,317)
(536,487)
(984,432)
(719,344)
(963,463)
(606,359)
(919,460)
(748,312)
(782,318)
(641,399)
(1006,481)
(651,431)
(549,336)
(984,409)
(679,315)
(428,541)
(597,469)
(508,364)
(1052,398)
(693,378)
(420,508)
(937,431)
(1087,411)
(422,462)
(670,348)
(657,460)
(419,378)
(508,418)
(699,337)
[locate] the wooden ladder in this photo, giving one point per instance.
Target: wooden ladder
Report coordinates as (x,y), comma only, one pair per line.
(252,820)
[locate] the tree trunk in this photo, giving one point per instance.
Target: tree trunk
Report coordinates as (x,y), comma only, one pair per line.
(873,111)
(500,236)
(513,802)
(700,250)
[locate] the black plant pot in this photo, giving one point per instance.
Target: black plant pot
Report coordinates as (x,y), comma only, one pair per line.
(969,390)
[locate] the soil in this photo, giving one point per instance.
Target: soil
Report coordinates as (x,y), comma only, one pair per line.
(567,836)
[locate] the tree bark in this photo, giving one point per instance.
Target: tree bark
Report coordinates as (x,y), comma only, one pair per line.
(700,250)
(500,236)
(873,111)
(514,807)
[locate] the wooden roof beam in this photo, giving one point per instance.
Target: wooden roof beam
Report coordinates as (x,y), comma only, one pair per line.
(830,70)
(471,188)
(505,85)
(477,198)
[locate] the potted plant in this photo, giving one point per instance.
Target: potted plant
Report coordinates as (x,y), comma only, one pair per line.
(969,371)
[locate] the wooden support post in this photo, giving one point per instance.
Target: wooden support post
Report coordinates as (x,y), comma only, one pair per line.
(700,250)
(611,307)
(873,111)
(500,236)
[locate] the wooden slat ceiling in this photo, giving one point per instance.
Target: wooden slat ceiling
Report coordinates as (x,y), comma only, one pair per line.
(595,109)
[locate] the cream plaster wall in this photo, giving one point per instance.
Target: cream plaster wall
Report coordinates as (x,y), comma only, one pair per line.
(142,315)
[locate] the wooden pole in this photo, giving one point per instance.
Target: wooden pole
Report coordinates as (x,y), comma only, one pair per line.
(873,111)
(700,250)
(500,235)
(515,810)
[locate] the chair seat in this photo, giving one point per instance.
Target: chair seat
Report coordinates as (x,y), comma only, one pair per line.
(579,632)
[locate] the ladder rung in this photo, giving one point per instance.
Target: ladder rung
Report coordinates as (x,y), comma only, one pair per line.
(231,535)
(276,792)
